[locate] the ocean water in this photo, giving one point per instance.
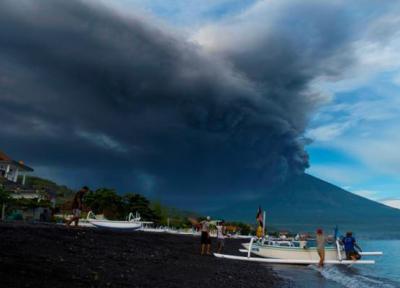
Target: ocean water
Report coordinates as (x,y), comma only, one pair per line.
(385,273)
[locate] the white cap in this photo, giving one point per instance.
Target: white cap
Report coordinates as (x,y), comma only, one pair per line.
(208,218)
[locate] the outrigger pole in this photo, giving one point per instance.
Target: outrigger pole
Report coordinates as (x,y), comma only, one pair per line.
(292,261)
(361,253)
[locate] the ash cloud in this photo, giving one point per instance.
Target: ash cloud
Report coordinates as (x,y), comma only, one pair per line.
(91,96)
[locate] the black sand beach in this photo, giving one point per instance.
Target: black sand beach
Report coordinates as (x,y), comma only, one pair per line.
(54,256)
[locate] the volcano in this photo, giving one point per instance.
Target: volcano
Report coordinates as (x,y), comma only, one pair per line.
(304,203)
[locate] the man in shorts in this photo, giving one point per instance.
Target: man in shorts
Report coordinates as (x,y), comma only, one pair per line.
(77,206)
(205,236)
(221,235)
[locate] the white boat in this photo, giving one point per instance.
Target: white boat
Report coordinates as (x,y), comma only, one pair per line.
(287,249)
(117,225)
(131,224)
(280,251)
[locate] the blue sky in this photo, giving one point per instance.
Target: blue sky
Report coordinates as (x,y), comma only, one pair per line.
(354,131)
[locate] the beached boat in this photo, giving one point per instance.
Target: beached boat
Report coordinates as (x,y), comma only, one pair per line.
(293,252)
(133,223)
(118,225)
(288,249)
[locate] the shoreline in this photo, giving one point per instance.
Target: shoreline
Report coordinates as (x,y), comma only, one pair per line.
(33,255)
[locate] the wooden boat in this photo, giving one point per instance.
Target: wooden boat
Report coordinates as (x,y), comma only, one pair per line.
(133,223)
(288,249)
(279,251)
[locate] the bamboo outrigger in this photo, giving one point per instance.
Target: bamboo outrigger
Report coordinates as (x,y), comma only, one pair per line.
(286,252)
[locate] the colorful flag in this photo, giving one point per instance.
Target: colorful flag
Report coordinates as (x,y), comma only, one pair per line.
(259,217)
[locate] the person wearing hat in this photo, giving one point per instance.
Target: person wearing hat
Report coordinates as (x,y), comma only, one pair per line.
(205,236)
(320,239)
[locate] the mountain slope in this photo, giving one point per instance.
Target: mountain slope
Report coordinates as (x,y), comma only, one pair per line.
(305,202)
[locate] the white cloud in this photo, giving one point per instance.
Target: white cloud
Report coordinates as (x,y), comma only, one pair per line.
(327,132)
(102,140)
(370,194)
(395,203)
(340,175)
(378,152)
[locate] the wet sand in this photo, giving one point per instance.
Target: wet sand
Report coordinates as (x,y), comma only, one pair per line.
(54,256)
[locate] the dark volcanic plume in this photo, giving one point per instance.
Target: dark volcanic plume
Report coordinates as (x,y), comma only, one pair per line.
(92,96)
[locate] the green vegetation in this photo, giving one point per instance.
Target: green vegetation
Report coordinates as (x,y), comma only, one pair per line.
(62,192)
(242,228)
(113,206)
(5,198)
(107,201)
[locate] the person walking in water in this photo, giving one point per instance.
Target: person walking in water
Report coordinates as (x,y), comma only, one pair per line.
(77,205)
(349,242)
(221,235)
(205,236)
(320,239)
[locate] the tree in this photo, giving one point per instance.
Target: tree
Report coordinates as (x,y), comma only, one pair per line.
(5,198)
(160,212)
(138,203)
(105,201)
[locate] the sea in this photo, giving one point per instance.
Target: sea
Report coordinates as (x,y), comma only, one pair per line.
(385,273)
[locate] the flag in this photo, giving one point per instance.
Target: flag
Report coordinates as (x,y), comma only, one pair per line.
(259,217)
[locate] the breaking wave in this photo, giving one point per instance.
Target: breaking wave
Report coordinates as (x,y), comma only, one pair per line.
(350,277)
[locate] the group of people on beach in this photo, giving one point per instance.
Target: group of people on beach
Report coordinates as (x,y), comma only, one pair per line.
(205,238)
(348,242)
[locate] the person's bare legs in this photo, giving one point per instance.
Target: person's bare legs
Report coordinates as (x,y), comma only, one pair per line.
(203,246)
(73,219)
(69,222)
(220,246)
(208,249)
(321,258)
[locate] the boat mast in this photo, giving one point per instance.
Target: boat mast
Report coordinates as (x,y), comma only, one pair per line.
(264,216)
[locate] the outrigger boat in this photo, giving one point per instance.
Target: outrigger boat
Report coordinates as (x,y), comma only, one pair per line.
(293,252)
(133,223)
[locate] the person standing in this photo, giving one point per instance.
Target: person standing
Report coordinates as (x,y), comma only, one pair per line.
(320,239)
(77,205)
(221,235)
(349,242)
(205,236)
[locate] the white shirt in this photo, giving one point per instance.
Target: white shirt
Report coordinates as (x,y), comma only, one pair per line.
(220,232)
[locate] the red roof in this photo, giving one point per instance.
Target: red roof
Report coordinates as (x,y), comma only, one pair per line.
(4,157)
(20,164)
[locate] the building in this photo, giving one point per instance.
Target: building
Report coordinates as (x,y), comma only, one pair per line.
(11,169)
(13,179)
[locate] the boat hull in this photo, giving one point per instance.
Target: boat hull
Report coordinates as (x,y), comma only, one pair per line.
(116,225)
(278,252)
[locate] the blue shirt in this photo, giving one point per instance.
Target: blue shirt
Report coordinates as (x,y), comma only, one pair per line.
(348,243)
